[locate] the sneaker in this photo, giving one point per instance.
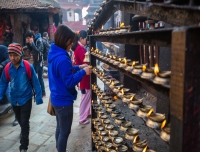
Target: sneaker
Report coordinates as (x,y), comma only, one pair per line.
(23,150)
(15,122)
(84,122)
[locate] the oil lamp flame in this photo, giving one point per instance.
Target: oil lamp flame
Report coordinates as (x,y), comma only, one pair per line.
(102,27)
(149,113)
(145,148)
(115,97)
(122,91)
(92,101)
(120,59)
(132,98)
(163,124)
(125,61)
(112,83)
(135,139)
(156,69)
(122,24)
(144,68)
(133,63)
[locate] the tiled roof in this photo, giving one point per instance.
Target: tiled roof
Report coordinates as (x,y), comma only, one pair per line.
(40,4)
(76,26)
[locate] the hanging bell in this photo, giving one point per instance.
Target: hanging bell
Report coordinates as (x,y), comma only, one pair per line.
(87,57)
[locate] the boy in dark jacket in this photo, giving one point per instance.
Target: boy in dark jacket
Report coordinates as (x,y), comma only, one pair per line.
(35,45)
(21,91)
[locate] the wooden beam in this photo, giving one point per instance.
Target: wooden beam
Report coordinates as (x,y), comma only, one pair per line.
(185,90)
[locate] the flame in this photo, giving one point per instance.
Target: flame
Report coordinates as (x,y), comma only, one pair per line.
(135,139)
(119,59)
(133,63)
(115,97)
(145,148)
(102,27)
(163,124)
(101,96)
(132,98)
(144,68)
(149,113)
(102,74)
(156,69)
(122,24)
(122,91)
(92,101)
(125,61)
(112,83)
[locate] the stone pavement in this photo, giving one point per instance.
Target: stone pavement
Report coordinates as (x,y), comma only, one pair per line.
(42,130)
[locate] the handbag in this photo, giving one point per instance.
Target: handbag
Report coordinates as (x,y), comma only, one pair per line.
(50,108)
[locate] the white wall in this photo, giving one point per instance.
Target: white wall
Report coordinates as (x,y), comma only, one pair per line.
(70,18)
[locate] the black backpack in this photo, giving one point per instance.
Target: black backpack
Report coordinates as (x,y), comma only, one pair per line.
(46,49)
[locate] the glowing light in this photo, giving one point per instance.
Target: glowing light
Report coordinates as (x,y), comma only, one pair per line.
(149,113)
(163,124)
(156,69)
(135,139)
(145,149)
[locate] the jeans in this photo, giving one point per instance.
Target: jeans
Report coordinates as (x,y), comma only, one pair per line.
(23,114)
(64,117)
(39,70)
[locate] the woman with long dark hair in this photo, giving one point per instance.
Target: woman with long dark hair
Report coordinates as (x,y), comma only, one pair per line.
(79,55)
(63,77)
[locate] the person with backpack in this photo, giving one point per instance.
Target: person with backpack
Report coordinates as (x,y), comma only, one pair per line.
(23,81)
(35,45)
(45,40)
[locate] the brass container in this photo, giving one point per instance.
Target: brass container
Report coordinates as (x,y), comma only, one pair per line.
(108,109)
(131,133)
(115,113)
(164,74)
(108,146)
(119,119)
(142,112)
(106,121)
(97,124)
(100,113)
(105,139)
(147,75)
(140,145)
(100,128)
(165,133)
(136,71)
(122,148)
(96,139)
(102,133)
(125,125)
(135,104)
(113,133)
(98,144)
(122,65)
(117,141)
(117,88)
(155,120)
(116,63)
(103,117)
(109,127)
(162,81)
(129,68)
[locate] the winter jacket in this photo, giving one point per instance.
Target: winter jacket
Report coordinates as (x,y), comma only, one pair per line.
(20,85)
(79,55)
(36,49)
(63,77)
(46,48)
(4,58)
(8,37)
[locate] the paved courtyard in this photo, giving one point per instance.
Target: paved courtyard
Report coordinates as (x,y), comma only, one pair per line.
(42,129)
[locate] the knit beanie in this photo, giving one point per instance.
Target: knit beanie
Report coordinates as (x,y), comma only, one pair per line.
(15,48)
